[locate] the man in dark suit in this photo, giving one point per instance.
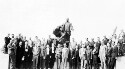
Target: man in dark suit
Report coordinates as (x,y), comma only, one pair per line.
(95,57)
(89,57)
(52,55)
(7,41)
(26,56)
(92,43)
(114,55)
(108,56)
(87,42)
(98,44)
(76,57)
(47,62)
(105,39)
(19,55)
(70,56)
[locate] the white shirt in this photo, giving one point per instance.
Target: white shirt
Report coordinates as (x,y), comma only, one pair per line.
(52,49)
(47,51)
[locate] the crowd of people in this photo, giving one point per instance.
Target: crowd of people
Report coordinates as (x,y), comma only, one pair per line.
(39,54)
(61,52)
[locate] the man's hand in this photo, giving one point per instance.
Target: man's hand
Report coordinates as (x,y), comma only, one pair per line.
(23,58)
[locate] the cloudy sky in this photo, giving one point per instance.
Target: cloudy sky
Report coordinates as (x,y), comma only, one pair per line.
(90,18)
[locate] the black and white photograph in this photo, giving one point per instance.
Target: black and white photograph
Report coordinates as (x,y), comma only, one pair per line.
(62,34)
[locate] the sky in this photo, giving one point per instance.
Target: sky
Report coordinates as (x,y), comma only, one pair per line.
(90,18)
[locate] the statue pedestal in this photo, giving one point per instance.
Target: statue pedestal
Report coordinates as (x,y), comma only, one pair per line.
(4,59)
(120,63)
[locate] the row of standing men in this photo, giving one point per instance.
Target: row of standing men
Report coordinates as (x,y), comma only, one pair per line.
(35,54)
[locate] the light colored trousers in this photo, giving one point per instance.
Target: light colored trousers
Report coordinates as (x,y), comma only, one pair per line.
(64,61)
(103,63)
(83,63)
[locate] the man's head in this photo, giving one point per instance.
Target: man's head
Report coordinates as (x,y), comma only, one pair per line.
(19,35)
(24,38)
(108,44)
(92,39)
(104,37)
(115,36)
(26,42)
(59,45)
(83,45)
(113,43)
(98,39)
(30,38)
(8,35)
(36,37)
(86,39)
(12,35)
(67,20)
(73,39)
(65,45)
(49,36)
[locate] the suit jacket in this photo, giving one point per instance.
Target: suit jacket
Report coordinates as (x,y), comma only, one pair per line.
(76,55)
(58,52)
(98,44)
(36,51)
(102,52)
(114,52)
(42,51)
(109,52)
(65,52)
(11,49)
(88,54)
(82,53)
(19,52)
(26,54)
(7,40)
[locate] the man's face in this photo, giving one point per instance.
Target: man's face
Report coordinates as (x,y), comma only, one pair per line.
(92,39)
(86,39)
(8,35)
(83,46)
(12,35)
(98,39)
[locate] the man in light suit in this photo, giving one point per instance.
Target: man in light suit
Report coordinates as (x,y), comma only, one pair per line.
(12,54)
(36,52)
(58,55)
(102,54)
(65,52)
(82,55)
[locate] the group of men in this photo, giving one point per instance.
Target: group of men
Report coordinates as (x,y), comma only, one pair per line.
(40,54)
